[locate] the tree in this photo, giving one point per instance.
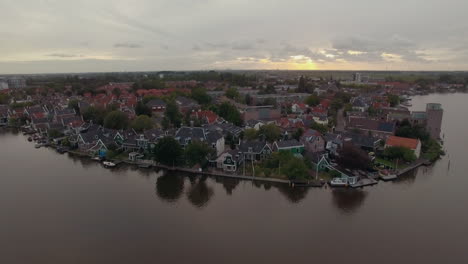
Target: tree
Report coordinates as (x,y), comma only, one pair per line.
(141,123)
(399,153)
(319,127)
(117,92)
(54,133)
(394,100)
(250,134)
(116,120)
(4,98)
(172,114)
(94,114)
(312,100)
(295,169)
(248,99)
(74,104)
(196,153)
(229,113)
(200,95)
(168,151)
(142,109)
(271,132)
(352,157)
(302,85)
(232,93)
(298,134)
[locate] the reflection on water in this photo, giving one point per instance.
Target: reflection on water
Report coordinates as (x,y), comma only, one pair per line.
(348,200)
(199,193)
(229,184)
(294,195)
(170,187)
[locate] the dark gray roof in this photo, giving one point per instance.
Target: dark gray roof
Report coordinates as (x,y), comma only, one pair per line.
(153,134)
(289,143)
(361,140)
(213,136)
(257,146)
(156,103)
(193,133)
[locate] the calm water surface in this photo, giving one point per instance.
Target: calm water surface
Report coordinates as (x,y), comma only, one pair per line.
(59,209)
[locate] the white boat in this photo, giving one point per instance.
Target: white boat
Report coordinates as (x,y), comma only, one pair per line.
(38,145)
(108,164)
(339,182)
(96,158)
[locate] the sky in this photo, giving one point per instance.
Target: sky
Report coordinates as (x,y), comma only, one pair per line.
(49,36)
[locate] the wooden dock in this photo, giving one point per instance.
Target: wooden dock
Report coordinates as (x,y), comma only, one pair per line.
(364,182)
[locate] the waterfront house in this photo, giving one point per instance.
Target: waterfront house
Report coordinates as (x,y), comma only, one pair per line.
(334,143)
(255,150)
(313,141)
(230,161)
(293,146)
(365,142)
(186,135)
(215,140)
(410,143)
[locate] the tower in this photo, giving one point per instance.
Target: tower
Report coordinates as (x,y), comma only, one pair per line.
(434,114)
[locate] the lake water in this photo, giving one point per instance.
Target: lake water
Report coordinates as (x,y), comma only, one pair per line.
(60,209)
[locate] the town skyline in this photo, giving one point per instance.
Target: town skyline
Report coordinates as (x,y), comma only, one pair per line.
(109,36)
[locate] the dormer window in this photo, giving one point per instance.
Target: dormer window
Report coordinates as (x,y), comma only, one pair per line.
(250,149)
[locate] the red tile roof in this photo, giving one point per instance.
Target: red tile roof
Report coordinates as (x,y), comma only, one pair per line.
(394,141)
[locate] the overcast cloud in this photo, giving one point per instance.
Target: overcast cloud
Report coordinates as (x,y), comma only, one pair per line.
(110,35)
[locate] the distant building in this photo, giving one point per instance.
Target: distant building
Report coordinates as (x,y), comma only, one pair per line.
(17,83)
(3,84)
(431,119)
(357,77)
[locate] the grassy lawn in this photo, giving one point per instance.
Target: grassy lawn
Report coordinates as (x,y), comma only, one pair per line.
(391,164)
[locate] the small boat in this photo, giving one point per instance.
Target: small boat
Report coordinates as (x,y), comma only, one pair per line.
(96,158)
(30,139)
(338,182)
(61,150)
(38,145)
(387,175)
(109,164)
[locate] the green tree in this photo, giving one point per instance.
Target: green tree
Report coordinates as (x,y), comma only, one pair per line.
(319,127)
(4,98)
(298,134)
(197,152)
(352,157)
(54,133)
(141,123)
(302,85)
(312,100)
(400,153)
(271,132)
(295,169)
(142,109)
(168,151)
(229,113)
(94,114)
(200,95)
(117,92)
(232,93)
(393,100)
(74,104)
(250,134)
(172,114)
(116,120)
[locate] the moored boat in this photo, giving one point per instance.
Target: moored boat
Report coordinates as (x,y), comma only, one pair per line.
(338,182)
(108,164)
